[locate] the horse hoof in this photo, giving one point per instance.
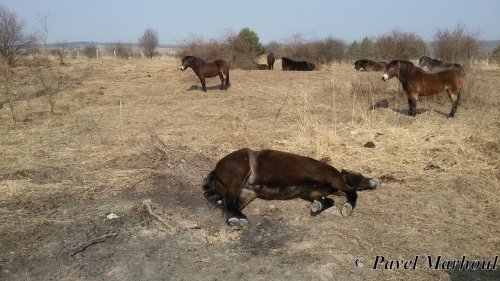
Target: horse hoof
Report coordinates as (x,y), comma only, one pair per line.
(233,222)
(316,206)
(346,209)
(243,221)
(374,183)
(237,222)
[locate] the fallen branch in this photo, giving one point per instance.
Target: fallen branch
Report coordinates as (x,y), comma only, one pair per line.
(147,206)
(99,239)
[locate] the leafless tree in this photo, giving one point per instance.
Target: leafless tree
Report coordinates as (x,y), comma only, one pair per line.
(456,45)
(400,45)
(149,41)
(6,77)
(50,79)
(12,38)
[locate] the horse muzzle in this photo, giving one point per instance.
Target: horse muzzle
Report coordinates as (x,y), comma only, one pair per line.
(385,77)
(182,68)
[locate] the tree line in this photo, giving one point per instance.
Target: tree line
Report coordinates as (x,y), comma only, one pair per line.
(242,48)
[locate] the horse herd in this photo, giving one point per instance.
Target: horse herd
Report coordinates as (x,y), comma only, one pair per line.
(245,174)
(439,77)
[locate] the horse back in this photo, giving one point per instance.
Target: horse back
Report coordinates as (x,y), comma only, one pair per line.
(270,167)
(213,68)
(222,65)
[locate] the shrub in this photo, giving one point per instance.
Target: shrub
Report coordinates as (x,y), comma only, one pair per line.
(240,50)
(400,45)
(456,45)
(121,50)
(363,50)
(149,41)
(90,51)
(496,54)
(12,38)
(248,42)
(316,51)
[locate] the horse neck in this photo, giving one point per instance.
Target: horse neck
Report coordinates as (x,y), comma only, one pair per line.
(403,75)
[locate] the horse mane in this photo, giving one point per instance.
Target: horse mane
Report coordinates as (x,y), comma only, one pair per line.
(410,66)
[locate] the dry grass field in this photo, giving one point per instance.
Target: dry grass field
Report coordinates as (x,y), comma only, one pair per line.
(124,131)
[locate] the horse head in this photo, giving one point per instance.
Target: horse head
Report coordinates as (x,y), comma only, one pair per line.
(395,67)
(358,181)
(187,61)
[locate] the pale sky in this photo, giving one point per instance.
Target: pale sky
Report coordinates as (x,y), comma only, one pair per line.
(177,21)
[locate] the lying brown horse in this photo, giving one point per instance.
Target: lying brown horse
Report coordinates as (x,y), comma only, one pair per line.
(245,174)
(208,69)
(289,64)
(417,82)
(369,65)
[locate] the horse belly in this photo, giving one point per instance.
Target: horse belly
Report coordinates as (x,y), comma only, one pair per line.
(431,87)
(267,192)
(211,71)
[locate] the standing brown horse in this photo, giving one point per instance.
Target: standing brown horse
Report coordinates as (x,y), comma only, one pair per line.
(208,69)
(417,82)
(245,174)
(270,61)
(369,65)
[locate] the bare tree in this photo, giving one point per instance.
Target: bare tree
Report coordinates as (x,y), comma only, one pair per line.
(400,45)
(12,38)
(6,79)
(149,41)
(456,45)
(50,79)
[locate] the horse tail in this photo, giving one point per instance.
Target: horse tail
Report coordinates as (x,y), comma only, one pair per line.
(462,71)
(209,191)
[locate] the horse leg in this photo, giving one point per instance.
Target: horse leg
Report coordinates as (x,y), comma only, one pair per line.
(352,196)
(245,198)
(221,77)
(319,202)
(203,87)
(236,198)
(412,105)
(227,79)
(455,100)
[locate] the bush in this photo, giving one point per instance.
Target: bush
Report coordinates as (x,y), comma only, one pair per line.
(363,50)
(240,50)
(149,41)
(315,51)
(248,42)
(456,45)
(495,54)
(12,38)
(121,50)
(90,51)
(400,45)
